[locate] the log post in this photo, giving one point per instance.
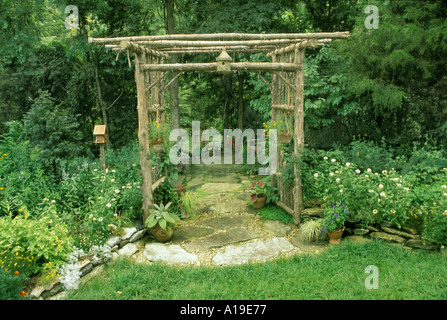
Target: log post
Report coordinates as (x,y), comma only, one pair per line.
(143,136)
(298,135)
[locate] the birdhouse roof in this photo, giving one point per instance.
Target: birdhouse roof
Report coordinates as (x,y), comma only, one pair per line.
(224,56)
(99,130)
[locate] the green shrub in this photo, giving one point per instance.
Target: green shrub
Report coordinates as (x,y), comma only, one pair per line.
(435,228)
(34,245)
(11,285)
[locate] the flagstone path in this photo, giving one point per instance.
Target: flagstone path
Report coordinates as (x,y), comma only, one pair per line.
(225,230)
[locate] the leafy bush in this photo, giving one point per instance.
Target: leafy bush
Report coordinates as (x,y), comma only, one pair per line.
(34,244)
(11,284)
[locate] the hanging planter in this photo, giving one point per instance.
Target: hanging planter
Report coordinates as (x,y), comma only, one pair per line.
(157,145)
(284,137)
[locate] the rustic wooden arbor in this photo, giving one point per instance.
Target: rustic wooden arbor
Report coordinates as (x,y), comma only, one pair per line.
(287,87)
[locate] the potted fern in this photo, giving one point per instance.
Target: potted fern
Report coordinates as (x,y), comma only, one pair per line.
(187,204)
(311,230)
(161,221)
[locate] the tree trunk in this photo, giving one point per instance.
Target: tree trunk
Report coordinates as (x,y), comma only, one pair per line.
(102,103)
(173,88)
(241,102)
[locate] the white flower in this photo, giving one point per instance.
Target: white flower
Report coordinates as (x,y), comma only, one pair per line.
(384,172)
(368,170)
(117,191)
(107,170)
(341,191)
(382,194)
(90,216)
(123,187)
(376,174)
(338,179)
(115,215)
(444,187)
(325,158)
(337,172)
(333,160)
(393,211)
(100,219)
(348,164)
(108,205)
(445,213)
(95,170)
(399,185)
(99,198)
(113,199)
(445,194)
(407,189)
(375,211)
(357,171)
(53,201)
(112,180)
(316,175)
(331,174)
(371,191)
(113,171)
(366,176)
(380,186)
(46,199)
(102,191)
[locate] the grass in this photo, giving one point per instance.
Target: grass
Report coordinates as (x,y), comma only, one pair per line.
(335,274)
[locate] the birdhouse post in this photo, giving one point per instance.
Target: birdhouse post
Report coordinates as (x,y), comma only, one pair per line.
(100,134)
(223,62)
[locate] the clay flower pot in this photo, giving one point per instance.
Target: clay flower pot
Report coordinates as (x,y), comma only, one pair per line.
(258,200)
(160,234)
(335,236)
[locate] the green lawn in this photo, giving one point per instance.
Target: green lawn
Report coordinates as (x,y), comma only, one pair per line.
(338,273)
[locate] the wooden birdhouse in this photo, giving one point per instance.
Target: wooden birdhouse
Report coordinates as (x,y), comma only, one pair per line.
(223,62)
(100,133)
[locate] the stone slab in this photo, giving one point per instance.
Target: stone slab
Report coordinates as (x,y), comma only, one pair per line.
(227,222)
(221,239)
(219,187)
(128,250)
(306,246)
(184,233)
(252,252)
(277,228)
(387,237)
(171,254)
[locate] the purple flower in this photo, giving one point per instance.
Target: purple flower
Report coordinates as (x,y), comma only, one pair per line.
(336,215)
(346,211)
(333,212)
(343,206)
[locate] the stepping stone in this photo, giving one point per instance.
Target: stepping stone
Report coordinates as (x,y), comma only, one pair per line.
(168,253)
(358,239)
(219,187)
(277,228)
(128,250)
(222,223)
(221,239)
(304,245)
(252,252)
(189,232)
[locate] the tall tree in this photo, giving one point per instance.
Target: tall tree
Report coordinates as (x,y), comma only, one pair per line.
(173,88)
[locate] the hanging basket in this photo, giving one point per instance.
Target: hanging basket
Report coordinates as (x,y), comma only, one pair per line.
(157,145)
(284,137)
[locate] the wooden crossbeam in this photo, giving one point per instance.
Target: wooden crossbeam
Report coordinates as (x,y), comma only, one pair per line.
(235,66)
(136,48)
(226,36)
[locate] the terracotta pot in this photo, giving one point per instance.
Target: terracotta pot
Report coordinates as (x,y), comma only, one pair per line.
(157,145)
(335,236)
(160,234)
(259,201)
